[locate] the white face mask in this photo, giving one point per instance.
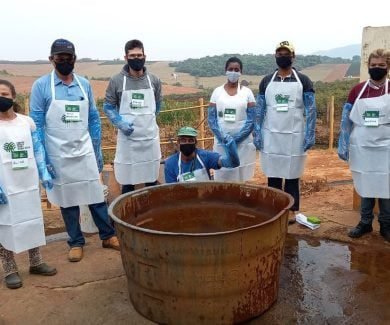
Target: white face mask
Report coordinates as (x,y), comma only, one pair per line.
(233,76)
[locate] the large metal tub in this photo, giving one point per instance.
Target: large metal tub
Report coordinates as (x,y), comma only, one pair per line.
(202,253)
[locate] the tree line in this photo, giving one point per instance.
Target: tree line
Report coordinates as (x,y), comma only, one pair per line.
(211,66)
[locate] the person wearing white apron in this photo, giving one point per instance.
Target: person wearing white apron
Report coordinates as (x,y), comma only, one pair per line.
(68,122)
(232,111)
(365,143)
(21,219)
(132,102)
(190,164)
(285,99)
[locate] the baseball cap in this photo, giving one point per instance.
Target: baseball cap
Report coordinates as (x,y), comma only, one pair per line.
(187,131)
(62,46)
(285,45)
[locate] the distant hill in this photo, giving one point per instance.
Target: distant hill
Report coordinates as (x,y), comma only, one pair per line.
(211,66)
(346,52)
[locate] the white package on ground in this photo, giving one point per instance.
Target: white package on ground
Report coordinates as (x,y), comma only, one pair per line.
(302,219)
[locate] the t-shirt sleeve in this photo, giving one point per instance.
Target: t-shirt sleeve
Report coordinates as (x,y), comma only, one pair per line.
(31,122)
(214,96)
(171,170)
(307,84)
(250,96)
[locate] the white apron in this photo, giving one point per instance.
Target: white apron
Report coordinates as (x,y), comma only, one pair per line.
(198,175)
(369,149)
(69,148)
(137,157)
(283,131)
(231,112)
(21,220)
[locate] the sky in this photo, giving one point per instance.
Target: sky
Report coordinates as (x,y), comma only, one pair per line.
(180,29)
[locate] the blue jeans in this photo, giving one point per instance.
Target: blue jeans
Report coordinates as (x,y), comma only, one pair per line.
(291,186)
(100,216)
(130,187)
(366,210)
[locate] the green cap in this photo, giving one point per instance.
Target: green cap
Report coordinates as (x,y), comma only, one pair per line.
(187,131)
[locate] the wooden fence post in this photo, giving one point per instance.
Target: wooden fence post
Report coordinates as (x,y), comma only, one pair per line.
(331,123)
(27,105)
(201,126)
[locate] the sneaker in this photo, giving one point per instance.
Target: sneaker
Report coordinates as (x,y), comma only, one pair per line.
(385,232)
(75,254)
(43,269)
(360,230)
(112,242)
(13,281)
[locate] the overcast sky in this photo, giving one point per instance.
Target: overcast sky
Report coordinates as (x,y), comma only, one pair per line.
(179,29)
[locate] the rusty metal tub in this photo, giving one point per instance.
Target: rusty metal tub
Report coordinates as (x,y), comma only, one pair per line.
(202,253)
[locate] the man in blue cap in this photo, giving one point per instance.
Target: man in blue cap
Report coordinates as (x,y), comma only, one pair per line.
(192,164)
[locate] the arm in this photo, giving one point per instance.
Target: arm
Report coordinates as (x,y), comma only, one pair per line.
(169,171)
(95,130)
(39,153)
(212,119)
(231,159)
(311,116)
(345,131)
(38,109)
(111,102)
(248,125)
(260,111)
(158,96)
(3,198)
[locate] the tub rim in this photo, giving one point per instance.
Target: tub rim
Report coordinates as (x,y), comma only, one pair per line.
(203,234)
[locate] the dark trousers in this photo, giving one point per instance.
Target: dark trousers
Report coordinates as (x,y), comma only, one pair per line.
(291,186)
(100,216)
(130,187)
(367,207)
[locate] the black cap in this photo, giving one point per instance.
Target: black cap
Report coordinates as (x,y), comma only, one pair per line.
(62,46)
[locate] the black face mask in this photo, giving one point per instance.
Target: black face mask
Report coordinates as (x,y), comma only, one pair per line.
(377,73)
(187,149)
(5,104)
(65,68)
(283,61)
(136,64)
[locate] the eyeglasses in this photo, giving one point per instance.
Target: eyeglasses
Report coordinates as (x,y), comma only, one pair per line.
(186,140)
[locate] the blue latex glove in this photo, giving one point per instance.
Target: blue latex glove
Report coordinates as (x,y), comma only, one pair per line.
(212,119)
(158,107)
(39,153)
(95,131)
(116,119)
(3,198)
(247,127)
(231,159)
(345,131)
(260,111)
(311,116)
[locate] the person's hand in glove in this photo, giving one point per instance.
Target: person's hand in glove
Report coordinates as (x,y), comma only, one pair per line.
(46,179)
(126,128)
(231,160)
(3,198)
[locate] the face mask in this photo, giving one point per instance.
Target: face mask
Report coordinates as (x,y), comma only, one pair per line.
(233,76)
(284,61)
(5,104)
(65,68)
(187,149)
(377,73)
(136,64)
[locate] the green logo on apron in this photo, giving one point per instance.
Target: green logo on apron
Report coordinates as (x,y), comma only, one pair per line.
(282,99)
(188,177)
(9,147)
(230,114)
(137,100)
(19,154)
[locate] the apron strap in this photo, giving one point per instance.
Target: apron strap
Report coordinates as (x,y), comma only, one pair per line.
(81,87)
(124,83)
(362,90)
(296,76)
